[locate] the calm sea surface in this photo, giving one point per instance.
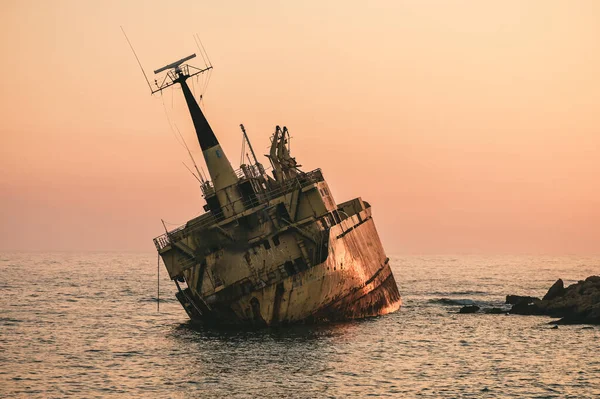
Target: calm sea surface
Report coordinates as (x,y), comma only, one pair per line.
(86,325)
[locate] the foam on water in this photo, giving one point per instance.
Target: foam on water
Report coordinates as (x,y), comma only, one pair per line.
(86,325)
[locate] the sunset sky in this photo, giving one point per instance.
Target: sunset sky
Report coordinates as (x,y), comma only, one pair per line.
(470,126)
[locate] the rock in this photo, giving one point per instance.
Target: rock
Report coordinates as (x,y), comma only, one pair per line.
(590,317)
(555,327)
(448,301)
(593,280)
(526,308)
(514,299)
(579,303)
(494,311)
(469,309)
(557,289)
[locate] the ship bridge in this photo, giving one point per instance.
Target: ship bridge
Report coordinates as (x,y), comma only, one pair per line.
(265,196)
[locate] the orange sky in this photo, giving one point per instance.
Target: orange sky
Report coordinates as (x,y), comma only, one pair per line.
(470,126)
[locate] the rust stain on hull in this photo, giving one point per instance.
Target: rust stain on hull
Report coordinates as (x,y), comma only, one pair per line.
(383,299)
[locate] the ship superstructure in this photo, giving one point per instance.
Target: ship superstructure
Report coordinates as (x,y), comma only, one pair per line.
(272,249)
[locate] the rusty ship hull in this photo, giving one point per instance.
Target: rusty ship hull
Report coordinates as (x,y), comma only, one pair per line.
(354,281)
(273,246)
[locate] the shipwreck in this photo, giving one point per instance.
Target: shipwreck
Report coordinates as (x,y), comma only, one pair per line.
(273,247)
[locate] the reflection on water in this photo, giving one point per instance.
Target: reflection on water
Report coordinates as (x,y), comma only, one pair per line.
(85,325)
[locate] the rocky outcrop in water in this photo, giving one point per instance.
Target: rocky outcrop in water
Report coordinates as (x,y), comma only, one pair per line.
(494,311)
(469,309)
(557,290)
(579,303)
(514,299)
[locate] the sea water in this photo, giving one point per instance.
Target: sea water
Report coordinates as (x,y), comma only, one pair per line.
(87,325)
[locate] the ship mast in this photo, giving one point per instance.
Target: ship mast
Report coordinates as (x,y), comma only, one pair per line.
(227,198)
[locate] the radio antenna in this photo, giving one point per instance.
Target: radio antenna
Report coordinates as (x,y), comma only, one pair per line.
(137,59)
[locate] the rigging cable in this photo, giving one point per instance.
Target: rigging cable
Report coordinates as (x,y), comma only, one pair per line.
(203,49)
(183,143)
(166,222)
(169,121)
(204,174)
(200,86)
(197,39)
(191,156)
(193,88)
(208,64)
(193,174)
(208,76)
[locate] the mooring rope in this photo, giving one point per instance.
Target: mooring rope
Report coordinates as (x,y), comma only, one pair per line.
(158,284)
